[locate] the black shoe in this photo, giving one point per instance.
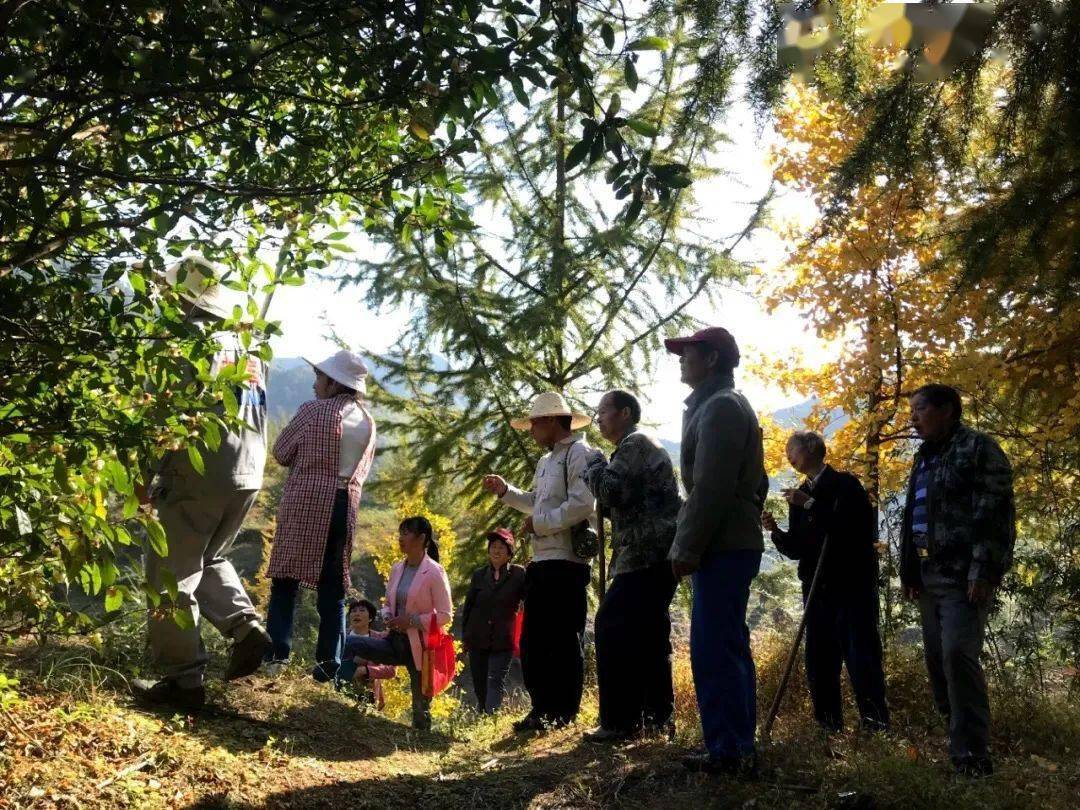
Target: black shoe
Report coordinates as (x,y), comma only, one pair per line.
(168,693)
(974,767)
(664,730)
(744,768)
(248,653)
(529,722)
(611,735)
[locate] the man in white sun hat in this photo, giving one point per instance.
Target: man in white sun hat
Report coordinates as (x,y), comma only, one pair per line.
(552,637)
(202,513)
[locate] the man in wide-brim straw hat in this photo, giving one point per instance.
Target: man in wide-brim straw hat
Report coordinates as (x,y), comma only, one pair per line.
(202,513)
(552,637)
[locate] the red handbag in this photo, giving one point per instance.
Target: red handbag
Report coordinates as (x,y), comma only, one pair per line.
(519,620)
(439,660)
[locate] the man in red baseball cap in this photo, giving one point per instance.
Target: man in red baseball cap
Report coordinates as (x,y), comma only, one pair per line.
(719,542)
(715,337)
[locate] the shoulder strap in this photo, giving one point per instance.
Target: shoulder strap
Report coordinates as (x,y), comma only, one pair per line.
(566,469)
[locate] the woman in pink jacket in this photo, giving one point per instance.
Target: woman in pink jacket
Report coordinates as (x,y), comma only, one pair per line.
(418,590)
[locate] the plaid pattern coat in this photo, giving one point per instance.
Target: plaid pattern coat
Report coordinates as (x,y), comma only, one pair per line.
(972,512)
(309,446)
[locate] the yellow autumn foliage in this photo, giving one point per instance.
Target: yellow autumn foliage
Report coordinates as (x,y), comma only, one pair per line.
(397,690)
(874,284)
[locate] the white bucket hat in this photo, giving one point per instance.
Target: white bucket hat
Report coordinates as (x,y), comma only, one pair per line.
(203,288)
(344,367)
(551,403)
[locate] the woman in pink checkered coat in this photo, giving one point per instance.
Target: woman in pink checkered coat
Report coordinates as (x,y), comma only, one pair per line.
(328,447)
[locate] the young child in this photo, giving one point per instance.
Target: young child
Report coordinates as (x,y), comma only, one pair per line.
(364,675)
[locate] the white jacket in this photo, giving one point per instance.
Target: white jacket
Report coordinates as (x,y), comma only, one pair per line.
(554,509)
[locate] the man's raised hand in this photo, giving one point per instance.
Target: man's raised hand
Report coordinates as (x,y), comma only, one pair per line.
(495,484)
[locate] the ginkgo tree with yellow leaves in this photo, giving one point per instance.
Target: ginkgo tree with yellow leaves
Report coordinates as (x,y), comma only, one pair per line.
(870,278)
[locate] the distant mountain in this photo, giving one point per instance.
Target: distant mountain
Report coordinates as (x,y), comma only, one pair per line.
(290,380)
(793,417)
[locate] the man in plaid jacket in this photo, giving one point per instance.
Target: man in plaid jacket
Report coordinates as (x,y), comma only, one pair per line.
(958,535)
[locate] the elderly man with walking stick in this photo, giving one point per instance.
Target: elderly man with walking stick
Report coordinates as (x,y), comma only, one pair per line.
(831,521)
(719,542)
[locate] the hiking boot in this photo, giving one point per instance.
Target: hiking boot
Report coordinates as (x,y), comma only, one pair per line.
(168,693)
(974,767)
(248,653)
(611,735)
(529,722)
(743,768)
(273,669)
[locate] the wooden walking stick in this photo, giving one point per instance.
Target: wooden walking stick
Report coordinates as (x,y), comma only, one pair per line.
(795,647)
(601,552)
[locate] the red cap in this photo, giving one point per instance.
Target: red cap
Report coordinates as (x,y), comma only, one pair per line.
(505,535)
(716,337)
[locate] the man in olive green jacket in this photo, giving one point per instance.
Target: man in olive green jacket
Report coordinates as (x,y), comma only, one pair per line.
(719,542)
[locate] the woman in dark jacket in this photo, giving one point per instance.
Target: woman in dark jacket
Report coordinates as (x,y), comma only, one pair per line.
(488,619)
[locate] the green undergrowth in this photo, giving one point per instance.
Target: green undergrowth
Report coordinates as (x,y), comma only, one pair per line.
(71,737)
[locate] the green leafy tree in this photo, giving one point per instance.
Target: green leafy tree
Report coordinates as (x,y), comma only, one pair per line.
(250,132)
(566,284)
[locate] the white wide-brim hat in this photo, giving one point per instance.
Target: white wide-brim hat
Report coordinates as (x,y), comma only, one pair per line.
(551,403)
(344,367)
(202,287)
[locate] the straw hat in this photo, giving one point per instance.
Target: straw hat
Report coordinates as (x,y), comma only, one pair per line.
(344,367)
(550,403)
(202,287)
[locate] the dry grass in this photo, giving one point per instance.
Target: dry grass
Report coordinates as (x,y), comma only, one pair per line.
(71,738)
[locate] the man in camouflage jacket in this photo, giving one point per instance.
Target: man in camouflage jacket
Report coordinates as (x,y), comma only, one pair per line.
(633,625)
(958,535)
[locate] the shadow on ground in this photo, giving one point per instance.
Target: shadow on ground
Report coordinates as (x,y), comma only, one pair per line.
(324,727)
(584,775)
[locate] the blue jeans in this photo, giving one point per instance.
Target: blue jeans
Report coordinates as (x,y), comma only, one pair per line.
(395,650)
(720,656)
(330,601)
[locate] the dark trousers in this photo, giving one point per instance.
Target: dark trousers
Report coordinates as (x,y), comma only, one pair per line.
(488,669)
(720,658)
(953,631)
(633,650)
(396,650)
(552,638)
(330,601)
(842,629)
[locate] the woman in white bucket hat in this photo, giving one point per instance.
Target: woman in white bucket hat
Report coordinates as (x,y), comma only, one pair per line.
(328,447)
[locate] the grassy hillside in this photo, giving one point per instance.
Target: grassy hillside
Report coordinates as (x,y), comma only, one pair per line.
(71,737)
